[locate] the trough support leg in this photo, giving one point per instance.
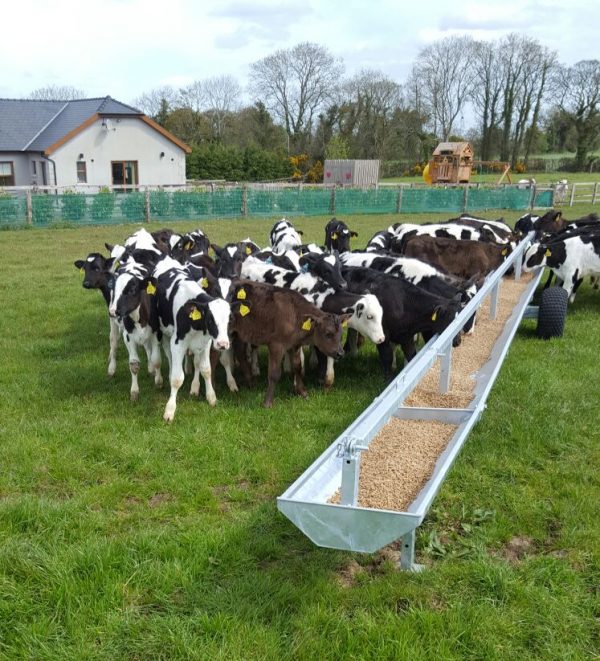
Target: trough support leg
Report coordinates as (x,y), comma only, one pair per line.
(407,554)
(445,369)
(518,268)
(350,479)
(494,300)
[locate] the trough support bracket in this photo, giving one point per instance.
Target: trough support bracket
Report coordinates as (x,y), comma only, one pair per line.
(494,296)
(407,554)
(349,452)
(445,368)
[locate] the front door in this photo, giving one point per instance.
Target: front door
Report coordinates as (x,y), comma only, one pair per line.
(124,173)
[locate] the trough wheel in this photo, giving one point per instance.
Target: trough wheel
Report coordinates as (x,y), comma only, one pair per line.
(552,313)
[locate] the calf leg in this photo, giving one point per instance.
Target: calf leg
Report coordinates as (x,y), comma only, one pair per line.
(240,350)
(226,359)
(195,386)
(386,355)
(351,344)
(275,355)
(134,367)
(329,373)
(549,280)
(154,361)
(176,379)
(114,345)
(206,372)
(296,362)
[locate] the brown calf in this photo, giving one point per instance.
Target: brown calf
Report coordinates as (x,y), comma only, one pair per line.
(283,320)
(457,256)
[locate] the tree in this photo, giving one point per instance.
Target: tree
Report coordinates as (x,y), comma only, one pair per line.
(443,71)
(294,84)
(157,102)
(580,88)
(57,93)
(487,93)
(222,95)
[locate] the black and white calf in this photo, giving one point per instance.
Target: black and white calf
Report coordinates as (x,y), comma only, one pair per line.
(570,259)
(404,231)
(190,245)
(190,320)
(133,305)
(284,236)
(380,242)
(97,271)
(338,235)
(141,245)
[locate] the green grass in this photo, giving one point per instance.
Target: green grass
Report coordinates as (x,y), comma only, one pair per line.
(124,538)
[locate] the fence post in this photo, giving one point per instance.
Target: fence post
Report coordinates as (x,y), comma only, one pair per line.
(147,205)
(29,205)
(595,194)
(466,198)
(332,201)
(532,196)
(572,195)
(399,200)
(245,200)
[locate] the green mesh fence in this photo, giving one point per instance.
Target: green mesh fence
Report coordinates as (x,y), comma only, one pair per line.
(112,208)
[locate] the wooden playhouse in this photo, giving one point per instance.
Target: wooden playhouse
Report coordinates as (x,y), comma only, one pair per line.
(451,163)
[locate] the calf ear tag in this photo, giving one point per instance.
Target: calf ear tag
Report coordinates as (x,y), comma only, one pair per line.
(334,236)
(204,283)
(82,270)
(150,289)
(307,325)
(195,314)
(344,323)
(434,315)
(244,310)
(241,295)
(504,251)
(548,253)
(188,245)
(248,250)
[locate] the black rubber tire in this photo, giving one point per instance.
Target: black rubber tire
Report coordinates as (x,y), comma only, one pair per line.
(552,313)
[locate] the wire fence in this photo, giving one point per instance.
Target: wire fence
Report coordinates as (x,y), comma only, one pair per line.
(105,208)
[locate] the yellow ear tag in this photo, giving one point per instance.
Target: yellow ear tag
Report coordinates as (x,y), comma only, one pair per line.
(307,325)
(188,245)
(334,236)
(244,310)
(344,323)
(204,283)
(248,250)
(548,253)
(434,316)
(504,251)
(241,295)
(195,314)
(116,265)
(151,289)
(82,270)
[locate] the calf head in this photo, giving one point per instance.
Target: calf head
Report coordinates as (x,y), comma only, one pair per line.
(95,268)
(327,332)
(444,314)
(127,286)
(208,316)
(192,243)
(535,256)
(162,239)
(525,224)
(367,318)
(338,235)
(324,266)
(229,260)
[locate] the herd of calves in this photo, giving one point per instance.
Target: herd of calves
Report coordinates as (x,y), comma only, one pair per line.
(163,289)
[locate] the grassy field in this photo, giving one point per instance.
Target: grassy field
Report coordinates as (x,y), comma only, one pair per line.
(124,538)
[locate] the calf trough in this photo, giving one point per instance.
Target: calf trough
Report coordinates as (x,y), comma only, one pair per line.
(375,483)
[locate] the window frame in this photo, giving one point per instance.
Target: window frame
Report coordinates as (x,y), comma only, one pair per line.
(77,172)
(10,177)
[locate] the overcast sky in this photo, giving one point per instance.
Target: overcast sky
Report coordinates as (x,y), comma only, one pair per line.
(126,47)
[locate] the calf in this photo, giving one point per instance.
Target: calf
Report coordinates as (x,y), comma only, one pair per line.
(338,235)
(570,259)
(404,232)
(365,310)
(231,255)
(132,304)
(141,245)
(407,311)
(190,320)
(190,245)
(381,241)
(497,230)
(97,271)
(284,236)
(283,321)
(464,259)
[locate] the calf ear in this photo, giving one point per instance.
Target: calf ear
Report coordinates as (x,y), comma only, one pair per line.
(109,246)
(353,233)
(217,249)
(149,285)
(344,318)
(300,232)
(79,264)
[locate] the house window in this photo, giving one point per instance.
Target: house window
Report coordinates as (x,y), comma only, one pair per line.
(124,173)
(34,167)
(7,173)
(81,172)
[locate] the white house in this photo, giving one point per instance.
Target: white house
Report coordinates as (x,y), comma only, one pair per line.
(99,142)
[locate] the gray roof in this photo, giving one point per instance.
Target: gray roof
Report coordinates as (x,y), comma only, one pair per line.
(27,125)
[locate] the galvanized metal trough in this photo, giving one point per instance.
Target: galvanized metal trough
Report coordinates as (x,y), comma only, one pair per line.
(348,526)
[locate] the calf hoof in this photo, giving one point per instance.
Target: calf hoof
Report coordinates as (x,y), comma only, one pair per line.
(158,383)
(232,385)
(195,391)
(212,401)
(111,370)
(134,395)
(301,392)
(267,404)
